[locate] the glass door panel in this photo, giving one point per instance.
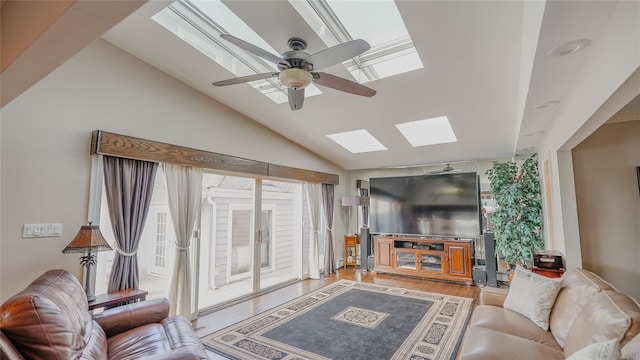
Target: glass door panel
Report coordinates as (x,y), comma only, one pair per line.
(226,239)
(266,240)
(280,243)
(163,240)
(405,260)
(431,262)
(239,263)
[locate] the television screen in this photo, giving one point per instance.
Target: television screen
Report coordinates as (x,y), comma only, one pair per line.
(444,204)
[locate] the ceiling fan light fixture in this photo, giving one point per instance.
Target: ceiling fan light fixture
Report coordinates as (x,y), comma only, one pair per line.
(295,78)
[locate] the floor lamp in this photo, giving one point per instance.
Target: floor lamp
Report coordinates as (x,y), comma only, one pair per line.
(350,201)
(90,240)
(355,201)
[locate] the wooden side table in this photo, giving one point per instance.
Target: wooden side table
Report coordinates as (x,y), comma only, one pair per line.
(552,273)
(118,297)
(351,242)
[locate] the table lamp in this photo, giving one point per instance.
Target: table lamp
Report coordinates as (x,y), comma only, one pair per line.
(89,239)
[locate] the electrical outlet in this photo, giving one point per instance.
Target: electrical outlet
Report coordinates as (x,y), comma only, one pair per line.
(41,230)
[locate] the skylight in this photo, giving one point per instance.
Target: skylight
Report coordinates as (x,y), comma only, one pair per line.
(357,141)
(428,132)
(337,21)
(200,23)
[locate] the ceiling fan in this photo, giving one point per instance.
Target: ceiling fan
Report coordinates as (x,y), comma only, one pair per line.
(445,170)
(297,67)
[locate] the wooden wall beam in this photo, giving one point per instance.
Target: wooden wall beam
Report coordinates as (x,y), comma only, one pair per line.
(301,174)
(106,143)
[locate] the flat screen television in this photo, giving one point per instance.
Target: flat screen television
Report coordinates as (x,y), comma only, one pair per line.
(443,205)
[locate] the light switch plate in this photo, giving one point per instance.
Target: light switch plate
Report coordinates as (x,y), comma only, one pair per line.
(41,230)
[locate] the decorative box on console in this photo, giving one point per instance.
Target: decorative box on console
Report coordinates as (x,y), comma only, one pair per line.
(547,259)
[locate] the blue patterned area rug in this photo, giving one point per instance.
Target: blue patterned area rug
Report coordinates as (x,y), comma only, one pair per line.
(350,320)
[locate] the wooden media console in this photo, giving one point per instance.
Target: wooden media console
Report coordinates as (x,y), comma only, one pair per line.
(434,258)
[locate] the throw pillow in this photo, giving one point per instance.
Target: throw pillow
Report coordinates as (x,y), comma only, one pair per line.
(606,350)
(532,295)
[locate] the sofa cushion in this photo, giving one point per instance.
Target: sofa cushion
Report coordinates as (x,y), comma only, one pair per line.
(96,343)
(609,315)
(47,320)
(493,296)
(153,339)
(139,342)
(606,350)
(180,333)
(486,344)
(580,275)
(532,295)
(578,287)
(126,317)
(7,350)
(631,350)
(510,322)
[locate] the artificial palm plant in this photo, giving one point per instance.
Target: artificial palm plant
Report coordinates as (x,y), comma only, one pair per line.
(517,220)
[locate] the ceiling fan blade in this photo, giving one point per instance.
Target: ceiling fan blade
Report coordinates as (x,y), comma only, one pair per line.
(342,84)
(255,50)
(296,98)
(244,79)
(337,54)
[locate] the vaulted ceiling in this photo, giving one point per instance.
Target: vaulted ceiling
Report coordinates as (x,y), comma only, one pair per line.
(487,67)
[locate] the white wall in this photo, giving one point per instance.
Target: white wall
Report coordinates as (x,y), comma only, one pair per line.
(608,81)
(45,137)
(609,204)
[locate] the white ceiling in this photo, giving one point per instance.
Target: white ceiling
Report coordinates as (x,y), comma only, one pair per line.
(485,67)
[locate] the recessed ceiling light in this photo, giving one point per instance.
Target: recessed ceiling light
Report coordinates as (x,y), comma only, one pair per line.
(428,132)
(357,141)
(570,47)
(547,104)
(536,133)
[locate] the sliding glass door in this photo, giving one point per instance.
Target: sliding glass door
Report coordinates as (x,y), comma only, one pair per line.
(237,250)
(243,251)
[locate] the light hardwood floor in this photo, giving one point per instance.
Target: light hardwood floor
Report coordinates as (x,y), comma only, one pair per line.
(228,316)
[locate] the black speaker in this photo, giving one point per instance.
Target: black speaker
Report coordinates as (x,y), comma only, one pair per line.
(491,263)
(365,249)
(480,275)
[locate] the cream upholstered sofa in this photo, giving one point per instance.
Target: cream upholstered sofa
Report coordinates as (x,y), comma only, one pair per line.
(586,311)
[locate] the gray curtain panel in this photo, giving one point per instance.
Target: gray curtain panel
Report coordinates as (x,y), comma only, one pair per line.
(129,186)
(327,206)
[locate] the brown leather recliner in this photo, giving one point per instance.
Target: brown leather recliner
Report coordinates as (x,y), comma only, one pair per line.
(50,320)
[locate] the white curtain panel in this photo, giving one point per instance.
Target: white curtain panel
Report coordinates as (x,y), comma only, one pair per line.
(327,207)
(184,191)
(314,196)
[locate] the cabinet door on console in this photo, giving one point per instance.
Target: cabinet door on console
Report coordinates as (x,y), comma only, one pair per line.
(457,259)
(383,254)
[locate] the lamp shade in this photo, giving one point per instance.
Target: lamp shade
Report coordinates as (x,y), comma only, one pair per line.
(354,200)
(88,238)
